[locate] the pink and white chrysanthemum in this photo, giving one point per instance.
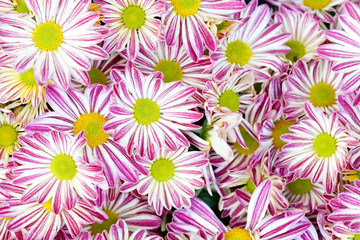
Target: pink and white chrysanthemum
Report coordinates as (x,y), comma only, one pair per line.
(185,23)
(306,34)
(150,114)
(53,165)
(42,223)
(317,148)
(89,111)
(15,85)
(235,94)
(172,180)
(200,218)
(174,64)
(9,135)
(345,49)
(132,23)
(313,83)
(5,234)
(17,6)
(253,45)
(121,231)
(118,205)
(58,43)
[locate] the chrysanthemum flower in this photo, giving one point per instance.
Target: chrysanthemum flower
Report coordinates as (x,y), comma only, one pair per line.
(9,136)
(172,180)
(58,43)
(253,45)
(52,165)
(258,226)
(313,83)
(89,111)
(174,64)
(132,23)
(5,234)
(185,23)
(345,49)
(306,34)
(150,114)
(15,85)
(317,148)
(18,6)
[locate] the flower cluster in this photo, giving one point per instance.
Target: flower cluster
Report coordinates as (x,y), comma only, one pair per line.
(179,119)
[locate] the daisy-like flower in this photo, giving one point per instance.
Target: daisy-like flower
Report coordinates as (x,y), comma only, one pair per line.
(75,112)
(313,83)
(185,23)
(58,43)
(5,234)
(15,85)
(172,180)
(132,23)
(304,195)
(200,217)
(52,165)
(150,114)
(18,6)
(306,34)
(9,136)
(345,49)
(253,45)
(174,64)
(317,148)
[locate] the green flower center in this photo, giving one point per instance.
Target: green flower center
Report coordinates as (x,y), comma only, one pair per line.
(146,111)
(356,237)
(251,143)
(185,8)
(92,124)
(237,234)
(21,6)
(106,225)
(281,127)
(300,186)
(134,17)
(171,70)
(28,78)
(230,99)
(63,167)
(250,186)
(316,4)
(162,169)
(325,145)
(97,76)
(297,50)
(8,135)
(238,52)
(322,95)
(48,36)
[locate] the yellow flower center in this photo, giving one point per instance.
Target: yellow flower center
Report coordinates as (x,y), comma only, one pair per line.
(322,95)
(316,4)
(251,143)
(230,99)
(297,50)
(146,111)
(185,8)
(97,76)
(162,169)
(21,6)
(325,145)
(8,135)
(238,52)
(106,225)
(237,234)
(48,36)
(92,124)
(281,127)
(63,167)
(171,70)
(300,186)
(356,237)
(250,186)
(48,205)
(28,78)
(134,17)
